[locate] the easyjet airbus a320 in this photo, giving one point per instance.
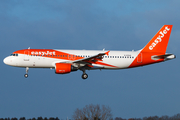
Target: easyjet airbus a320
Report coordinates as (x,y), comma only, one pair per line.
(66,61)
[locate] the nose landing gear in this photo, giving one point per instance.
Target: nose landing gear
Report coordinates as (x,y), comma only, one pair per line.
(26,75)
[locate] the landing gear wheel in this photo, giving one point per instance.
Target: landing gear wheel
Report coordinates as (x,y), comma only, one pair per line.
(84,76)
(26,75)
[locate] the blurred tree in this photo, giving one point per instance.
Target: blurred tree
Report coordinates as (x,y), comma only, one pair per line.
(33,118)
(14,119)
(131,119)
(85,118)
(22,118)
(144,118)
(119,118)
(45,118)
(93,112)
(164,117)
(39,118)
(175,117)
(56,118)
(51,118)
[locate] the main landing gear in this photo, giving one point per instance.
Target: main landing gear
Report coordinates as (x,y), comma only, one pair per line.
(84,75)
(26,75)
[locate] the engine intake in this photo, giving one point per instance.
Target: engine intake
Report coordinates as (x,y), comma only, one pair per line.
(64,68)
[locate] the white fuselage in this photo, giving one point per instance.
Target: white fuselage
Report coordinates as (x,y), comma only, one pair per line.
(115,59)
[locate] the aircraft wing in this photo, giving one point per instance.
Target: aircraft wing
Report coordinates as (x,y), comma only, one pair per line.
(92,59)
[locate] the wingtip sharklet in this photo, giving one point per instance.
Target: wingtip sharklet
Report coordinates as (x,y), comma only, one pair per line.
(107,53)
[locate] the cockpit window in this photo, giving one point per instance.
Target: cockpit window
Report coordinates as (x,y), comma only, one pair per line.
(14,54)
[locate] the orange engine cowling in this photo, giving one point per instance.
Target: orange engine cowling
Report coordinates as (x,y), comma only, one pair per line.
(64,68)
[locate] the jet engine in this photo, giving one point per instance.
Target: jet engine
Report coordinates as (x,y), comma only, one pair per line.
(64,68)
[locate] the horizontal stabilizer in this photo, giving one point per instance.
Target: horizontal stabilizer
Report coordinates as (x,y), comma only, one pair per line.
(165,57)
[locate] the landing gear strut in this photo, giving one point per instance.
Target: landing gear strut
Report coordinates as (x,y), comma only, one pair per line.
(26,75)
(84,75)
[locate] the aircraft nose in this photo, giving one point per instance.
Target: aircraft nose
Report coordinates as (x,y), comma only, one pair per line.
(5,61)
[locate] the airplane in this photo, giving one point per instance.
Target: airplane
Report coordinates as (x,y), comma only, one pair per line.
(66,61)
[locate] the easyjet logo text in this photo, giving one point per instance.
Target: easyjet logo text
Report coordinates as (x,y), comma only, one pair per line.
(43,53)
(159,38)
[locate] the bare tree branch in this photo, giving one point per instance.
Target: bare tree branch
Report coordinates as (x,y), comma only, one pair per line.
(93,112)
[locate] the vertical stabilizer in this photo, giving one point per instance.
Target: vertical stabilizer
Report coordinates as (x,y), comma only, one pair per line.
(159,42)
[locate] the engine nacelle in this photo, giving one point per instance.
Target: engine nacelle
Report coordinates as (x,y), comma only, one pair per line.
(64,68)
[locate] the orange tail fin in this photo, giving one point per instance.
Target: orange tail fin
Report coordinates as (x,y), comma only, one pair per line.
(159,42)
